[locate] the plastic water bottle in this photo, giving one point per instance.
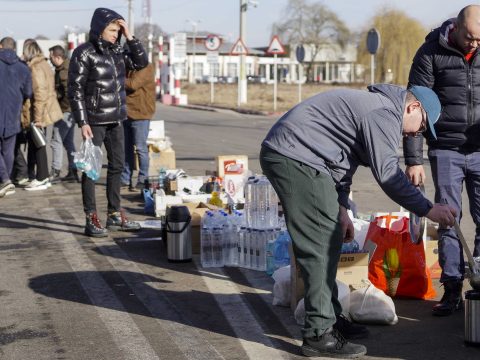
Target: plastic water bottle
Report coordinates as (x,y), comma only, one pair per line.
(351,247)
(269,257)
(281,254)
(217,246)
(241,246)
(162,176)
(206,253)
(247,248)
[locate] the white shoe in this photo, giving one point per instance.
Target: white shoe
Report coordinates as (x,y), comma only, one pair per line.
(6,188)
(38,185)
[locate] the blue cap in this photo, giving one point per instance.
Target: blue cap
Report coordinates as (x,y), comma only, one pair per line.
(430,103)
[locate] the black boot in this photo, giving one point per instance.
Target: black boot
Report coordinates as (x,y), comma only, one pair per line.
(93,227)
(451,300)
(350,330)
(117,221)
(72,176)
(332,344)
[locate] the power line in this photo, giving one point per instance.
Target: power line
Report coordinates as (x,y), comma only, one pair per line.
(57,11)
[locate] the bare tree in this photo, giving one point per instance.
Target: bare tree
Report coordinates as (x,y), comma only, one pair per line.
(142,31)
(313,25)
(401,36)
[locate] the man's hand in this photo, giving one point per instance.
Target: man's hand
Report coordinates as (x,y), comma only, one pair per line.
(124,29)
(346,224)
(87,132)
(416,174)
(442,214)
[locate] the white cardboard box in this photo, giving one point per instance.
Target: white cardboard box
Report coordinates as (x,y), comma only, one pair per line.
(156,130)
(162,201)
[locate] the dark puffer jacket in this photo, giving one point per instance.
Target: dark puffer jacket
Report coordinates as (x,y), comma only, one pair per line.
(96,75)
(444,69)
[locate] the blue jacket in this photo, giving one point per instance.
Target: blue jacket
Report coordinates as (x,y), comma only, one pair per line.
(15,87)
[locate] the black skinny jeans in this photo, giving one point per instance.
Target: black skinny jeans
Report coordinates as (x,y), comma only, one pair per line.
(111,136)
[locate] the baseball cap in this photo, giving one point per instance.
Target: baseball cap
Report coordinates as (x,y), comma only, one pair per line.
(430,103)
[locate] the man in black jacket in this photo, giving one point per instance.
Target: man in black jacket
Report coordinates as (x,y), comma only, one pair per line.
(96,92)
(448,63)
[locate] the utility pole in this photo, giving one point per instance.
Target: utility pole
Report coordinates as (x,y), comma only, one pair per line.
(130,16)
(191,78)
(147,14)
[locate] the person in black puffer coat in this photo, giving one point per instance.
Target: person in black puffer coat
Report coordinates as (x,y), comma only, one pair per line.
(448,63)
(97,98)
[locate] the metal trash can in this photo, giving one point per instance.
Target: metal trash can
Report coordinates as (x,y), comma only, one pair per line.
(472,317)
(178,233)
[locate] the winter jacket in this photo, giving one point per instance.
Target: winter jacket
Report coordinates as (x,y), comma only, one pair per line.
(141,97)
(44,107)
(444,69)
(336,131)
(16,87)
(96,76)
(61,84)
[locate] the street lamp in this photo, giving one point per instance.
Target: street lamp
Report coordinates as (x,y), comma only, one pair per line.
(242,78)
(191,78)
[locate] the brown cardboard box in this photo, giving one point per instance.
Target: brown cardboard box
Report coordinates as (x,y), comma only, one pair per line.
(352,269)
(197,210)
(431,258)
(163,159)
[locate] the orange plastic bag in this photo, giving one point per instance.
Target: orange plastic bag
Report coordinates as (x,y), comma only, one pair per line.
(398,265)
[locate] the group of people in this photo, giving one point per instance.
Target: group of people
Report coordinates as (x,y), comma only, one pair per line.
(311,154)
(106,88)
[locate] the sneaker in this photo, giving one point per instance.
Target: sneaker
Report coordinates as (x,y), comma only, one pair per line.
(38,185)
(6,188)
(55,176)
(350,330)
(451,299)
(332,344)
(117,221)
(72,176)
(93,227)
(22,182)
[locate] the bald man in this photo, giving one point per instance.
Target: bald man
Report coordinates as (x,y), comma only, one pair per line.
(448,63)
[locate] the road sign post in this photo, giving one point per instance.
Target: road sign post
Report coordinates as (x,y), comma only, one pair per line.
(373,43)
(275,48)
(212,43)
(300,55)
(239,48)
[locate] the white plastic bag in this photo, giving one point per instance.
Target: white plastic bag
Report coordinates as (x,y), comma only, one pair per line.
(343,298)
(89,159)
(282,288)
(372,306)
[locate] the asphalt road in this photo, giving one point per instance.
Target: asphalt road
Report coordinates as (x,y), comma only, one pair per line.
(66,296)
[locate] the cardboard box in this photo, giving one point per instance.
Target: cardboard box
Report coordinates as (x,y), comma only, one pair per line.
(162,201)
(431,258)
(351,270)
(164,159)
(232,165)
(197,210)
(156,131)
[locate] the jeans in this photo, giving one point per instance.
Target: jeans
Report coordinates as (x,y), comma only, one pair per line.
(20,167)
(136,133)
(7,149)
(450,171)
(62,137)
(111,136)
(310,204)
(37,159)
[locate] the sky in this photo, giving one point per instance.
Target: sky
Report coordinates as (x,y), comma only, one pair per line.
(28,18)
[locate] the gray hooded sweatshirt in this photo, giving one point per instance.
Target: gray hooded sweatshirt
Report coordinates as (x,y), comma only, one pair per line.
(336,131)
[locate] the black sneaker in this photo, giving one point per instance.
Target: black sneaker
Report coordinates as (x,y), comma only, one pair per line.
(72,176)
(55,176)
(332,344)
(350,330)
(117,221)
(451,300)
(93,227)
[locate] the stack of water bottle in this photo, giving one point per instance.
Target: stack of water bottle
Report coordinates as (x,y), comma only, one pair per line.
(252,239)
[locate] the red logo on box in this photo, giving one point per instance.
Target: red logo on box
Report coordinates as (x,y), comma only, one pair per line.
(232,167)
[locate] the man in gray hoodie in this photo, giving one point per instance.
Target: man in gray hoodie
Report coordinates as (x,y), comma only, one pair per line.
(310,156)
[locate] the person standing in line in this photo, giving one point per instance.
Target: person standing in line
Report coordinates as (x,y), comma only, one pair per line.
(310,156)
(44,111)
(96,90)
(63,130)
(141,97)
(449,64)
(16,89)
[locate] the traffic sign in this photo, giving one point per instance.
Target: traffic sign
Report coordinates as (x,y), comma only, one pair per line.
(212,57)
(239,48)
(373,41)
(276,46)
(213,42)
(300,53)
